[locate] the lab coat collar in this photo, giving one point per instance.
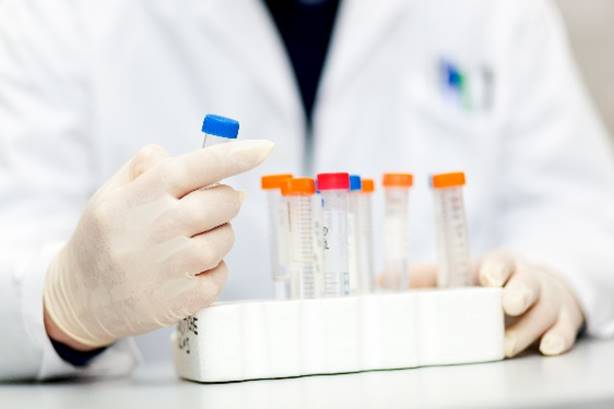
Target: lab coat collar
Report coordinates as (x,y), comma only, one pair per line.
(361,26)
(246,31)
(248,34)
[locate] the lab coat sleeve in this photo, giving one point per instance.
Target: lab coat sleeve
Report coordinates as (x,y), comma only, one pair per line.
(556,163)
(47,170)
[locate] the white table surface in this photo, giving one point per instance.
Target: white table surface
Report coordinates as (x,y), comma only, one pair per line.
(583,378)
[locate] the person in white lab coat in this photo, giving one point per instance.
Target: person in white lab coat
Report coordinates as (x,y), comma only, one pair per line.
(487,87)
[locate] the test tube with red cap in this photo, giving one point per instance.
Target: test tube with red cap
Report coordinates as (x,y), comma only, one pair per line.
(451,223)
(334,189)
(396,230)
(299,194)
(278,229)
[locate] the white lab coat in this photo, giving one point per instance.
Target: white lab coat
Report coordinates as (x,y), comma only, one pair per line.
(85,84)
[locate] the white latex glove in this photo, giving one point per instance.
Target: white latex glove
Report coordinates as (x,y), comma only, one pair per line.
(538,304)
(148,248)
(543,308)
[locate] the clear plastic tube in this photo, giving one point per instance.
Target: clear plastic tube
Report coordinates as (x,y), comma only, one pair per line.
(452,235)
(365,238)
(318,244)
(211,140)
(278,228)
(302,256)
(335,269)
(353,236)
(396,230)
(396,237)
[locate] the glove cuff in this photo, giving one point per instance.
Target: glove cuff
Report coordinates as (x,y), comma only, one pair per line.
(62,313)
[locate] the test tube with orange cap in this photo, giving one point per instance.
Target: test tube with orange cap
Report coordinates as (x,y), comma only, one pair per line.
(278,228)
(365,236)
(299,194)
(451,223)
(396,229)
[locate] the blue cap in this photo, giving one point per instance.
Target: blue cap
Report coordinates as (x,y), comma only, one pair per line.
(355,183)
(220,126)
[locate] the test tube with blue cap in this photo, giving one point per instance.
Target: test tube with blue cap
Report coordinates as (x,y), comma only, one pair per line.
(355,267)
(219,129)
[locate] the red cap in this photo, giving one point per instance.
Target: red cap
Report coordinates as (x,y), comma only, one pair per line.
(332,181)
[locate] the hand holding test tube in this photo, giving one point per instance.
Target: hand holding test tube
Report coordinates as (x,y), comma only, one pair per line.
(149,247)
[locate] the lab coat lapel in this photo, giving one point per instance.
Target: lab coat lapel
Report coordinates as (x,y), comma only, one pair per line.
(361,26)
(247,33)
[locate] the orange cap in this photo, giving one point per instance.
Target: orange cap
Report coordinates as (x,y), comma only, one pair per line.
(443,180)
(368,185)
(398,180)
(298,187)
(273,181)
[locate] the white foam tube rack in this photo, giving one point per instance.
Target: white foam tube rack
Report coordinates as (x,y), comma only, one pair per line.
(238,341)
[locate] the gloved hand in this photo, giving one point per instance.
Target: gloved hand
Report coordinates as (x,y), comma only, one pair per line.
(538,304)
(148,248)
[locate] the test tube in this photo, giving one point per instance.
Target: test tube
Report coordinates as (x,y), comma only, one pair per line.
(299,195)
(451,223)
(365,236)
(396,228)
(334,189)
(219,129)
(318,242)
(354,262)
(278,228)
